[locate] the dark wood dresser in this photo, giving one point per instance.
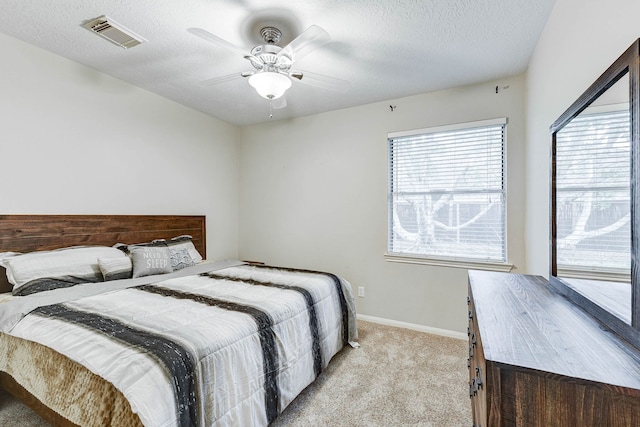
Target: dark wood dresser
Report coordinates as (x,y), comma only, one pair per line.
(535,359)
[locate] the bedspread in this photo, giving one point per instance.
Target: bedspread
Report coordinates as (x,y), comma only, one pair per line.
(230,346)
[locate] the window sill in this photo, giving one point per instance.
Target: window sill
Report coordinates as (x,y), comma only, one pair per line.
(610,276)
(449,262)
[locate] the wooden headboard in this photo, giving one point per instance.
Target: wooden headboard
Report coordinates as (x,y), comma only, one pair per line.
(27,233)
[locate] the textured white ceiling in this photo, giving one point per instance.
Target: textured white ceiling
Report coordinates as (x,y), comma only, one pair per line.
(386,48)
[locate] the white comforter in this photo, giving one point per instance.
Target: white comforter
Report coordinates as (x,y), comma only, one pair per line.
(254,339)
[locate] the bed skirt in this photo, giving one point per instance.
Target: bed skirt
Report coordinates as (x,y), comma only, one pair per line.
(46,378)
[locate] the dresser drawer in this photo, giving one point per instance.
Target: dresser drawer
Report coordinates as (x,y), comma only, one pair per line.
(477,368)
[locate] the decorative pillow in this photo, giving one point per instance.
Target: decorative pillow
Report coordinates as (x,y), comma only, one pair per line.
(150,259)
(183,252)
(116,268)
(46,270)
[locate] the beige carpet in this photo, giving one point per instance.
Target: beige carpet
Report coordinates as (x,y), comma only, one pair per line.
(397,377)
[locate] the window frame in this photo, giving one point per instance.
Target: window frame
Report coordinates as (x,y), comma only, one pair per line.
(450,261)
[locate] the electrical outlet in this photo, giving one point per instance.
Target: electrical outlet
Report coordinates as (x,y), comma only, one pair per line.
(361,291)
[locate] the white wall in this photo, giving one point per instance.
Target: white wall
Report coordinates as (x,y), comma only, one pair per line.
(581,39)
(314,194)
(74,141)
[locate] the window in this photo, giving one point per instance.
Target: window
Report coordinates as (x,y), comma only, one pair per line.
(593,193)
(447,194)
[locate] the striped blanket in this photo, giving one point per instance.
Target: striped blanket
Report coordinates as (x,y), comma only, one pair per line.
(225,347)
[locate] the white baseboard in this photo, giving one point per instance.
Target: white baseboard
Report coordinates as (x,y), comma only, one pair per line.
(413,326)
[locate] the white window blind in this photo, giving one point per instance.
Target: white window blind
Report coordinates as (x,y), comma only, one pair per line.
(446,192)
(593,193)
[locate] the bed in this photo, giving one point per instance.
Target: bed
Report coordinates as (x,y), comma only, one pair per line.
(185,341)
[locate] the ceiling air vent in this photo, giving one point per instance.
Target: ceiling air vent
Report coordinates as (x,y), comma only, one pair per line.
(114,32)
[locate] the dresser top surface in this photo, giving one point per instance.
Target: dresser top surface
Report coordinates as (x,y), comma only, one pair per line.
(523,322)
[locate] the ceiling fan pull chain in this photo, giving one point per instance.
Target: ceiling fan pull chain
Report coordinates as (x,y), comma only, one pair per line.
(270,108)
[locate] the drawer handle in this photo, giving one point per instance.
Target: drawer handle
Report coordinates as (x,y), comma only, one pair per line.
(468,300)
(479,377)
(470,351)
(470,315)
(473,340)
(468,363)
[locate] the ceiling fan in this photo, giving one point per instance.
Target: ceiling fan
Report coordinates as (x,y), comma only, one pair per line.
(272,64)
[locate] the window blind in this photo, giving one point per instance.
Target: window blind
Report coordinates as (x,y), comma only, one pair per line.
(593,194)
(446,194)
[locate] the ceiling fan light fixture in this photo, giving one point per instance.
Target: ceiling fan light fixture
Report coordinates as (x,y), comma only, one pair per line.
(269,84)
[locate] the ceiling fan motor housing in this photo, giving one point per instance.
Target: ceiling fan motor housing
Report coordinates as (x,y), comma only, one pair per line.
(268,55)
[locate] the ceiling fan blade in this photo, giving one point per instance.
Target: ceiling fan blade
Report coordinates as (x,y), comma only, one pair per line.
(279,103)
(311,39)
(222,79)
(206,35)
(321,81)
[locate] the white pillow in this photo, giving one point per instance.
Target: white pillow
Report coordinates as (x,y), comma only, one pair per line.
(115,268)
(78,264)
(5,256)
